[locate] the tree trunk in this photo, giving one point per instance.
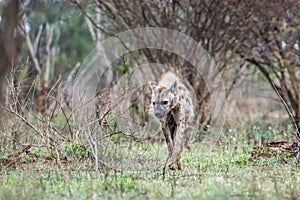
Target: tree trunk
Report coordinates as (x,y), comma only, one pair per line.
(297,120)
(9,38)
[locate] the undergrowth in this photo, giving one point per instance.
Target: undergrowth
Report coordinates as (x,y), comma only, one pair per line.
(218,170)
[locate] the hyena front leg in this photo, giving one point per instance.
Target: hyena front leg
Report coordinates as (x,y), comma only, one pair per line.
(169,141)
(179,143)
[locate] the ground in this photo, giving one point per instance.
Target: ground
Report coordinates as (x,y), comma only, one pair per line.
(220,169)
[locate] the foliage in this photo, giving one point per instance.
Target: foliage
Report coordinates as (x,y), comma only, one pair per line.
(73,38)
(224,171)
(236,34)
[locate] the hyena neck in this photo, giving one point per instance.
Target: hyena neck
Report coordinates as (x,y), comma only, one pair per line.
(173,113)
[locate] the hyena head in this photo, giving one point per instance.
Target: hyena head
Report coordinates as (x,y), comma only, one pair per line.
(163,98)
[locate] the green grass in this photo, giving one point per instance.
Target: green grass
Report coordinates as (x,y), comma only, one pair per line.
(222,171)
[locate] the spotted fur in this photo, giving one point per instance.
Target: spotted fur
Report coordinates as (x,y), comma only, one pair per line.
(173,106)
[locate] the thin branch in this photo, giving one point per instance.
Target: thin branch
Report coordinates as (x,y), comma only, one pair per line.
(289,112)
(28,123)
(49,37)
(37,37)
(32,50)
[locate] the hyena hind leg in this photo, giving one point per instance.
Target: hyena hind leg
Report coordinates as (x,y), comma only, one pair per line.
(179,143)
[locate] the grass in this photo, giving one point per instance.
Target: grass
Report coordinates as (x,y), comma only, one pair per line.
(221,171)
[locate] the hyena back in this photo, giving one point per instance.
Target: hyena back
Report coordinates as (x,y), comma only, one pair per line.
(172,104)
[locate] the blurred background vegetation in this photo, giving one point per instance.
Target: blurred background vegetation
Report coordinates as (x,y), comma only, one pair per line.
(255,45)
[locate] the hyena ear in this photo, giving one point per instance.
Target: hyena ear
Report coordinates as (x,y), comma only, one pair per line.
(152,85)
(174,88)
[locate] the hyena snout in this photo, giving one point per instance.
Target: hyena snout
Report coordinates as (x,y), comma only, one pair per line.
(159,113)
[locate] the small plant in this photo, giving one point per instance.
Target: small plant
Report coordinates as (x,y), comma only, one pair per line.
(75,150)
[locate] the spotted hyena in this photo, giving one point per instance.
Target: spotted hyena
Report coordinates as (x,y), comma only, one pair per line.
(172,104)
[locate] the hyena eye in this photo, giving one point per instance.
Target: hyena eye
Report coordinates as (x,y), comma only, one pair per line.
(165,102)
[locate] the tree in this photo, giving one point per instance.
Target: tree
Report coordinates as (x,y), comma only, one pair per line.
(56,40)
(274,43)
(263,34)
(210,23)
(10,38)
